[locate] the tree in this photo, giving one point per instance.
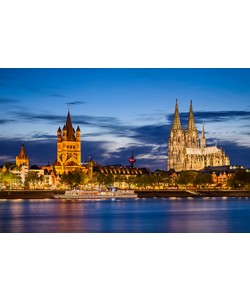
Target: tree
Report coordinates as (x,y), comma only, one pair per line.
(187,178)
(9,179)
(162,178)
(31,179)
(106,180)
(203,179)
(144,181)
(75,178)
(241,179)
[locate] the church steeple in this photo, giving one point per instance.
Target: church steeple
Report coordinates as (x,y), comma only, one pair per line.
(22,152)
(68,147)
(177,121)
(176,143)
(203,138)
(69,128)
(191,124)
(203,131)
(192,138)
(22,158)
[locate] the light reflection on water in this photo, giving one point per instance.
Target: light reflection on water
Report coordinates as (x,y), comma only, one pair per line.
(126,215)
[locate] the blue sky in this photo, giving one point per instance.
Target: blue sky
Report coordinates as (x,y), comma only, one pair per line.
(118,109)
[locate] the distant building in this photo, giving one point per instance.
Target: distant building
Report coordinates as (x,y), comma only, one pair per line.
(22,158)
(68,148)
(187,152)
(121,170)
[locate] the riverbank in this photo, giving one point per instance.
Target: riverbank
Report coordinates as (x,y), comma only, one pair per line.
(43,194)
(193,193)
(29,194)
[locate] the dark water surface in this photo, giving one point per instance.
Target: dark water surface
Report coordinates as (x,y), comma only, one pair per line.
(142,215)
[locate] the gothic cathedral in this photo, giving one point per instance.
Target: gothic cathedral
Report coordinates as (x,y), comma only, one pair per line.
(68,148)
(187,152)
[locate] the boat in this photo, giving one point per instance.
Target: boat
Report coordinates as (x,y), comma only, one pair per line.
(96,195)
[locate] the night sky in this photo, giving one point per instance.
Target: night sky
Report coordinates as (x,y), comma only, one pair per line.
(121,109)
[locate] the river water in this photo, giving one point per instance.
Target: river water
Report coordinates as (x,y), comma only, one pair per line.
(197,215)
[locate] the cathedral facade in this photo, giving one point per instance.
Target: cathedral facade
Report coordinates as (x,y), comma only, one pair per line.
(186,151)
(68,148)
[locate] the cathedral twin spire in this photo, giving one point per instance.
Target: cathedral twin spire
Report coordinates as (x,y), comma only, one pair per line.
(191,124)
(177,121)
(186,151)
(191,133)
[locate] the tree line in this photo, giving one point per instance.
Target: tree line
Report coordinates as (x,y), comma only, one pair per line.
(158,179)
(155,180)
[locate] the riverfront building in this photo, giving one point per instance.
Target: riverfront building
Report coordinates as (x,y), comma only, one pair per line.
(68,148)
(186,151)
(22,158)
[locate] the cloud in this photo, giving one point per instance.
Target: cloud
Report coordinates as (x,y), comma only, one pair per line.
(42,136)
(5,158)
(2,122)
(56,95)
(149,141)
(25,115)
(77,103)
(148,154)
(39,152)
(157,134)
(152,117)
(239,155)
(57,119)
(212,116)
(4,101)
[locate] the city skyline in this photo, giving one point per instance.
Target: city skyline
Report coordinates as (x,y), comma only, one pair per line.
(121,109)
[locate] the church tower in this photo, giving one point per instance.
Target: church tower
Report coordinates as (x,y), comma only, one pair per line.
(203,139)
(22,158)
(191,133)
(68,147)
(176,143)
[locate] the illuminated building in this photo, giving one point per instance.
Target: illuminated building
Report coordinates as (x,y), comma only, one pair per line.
(22,158)
(68,148)
(187,152)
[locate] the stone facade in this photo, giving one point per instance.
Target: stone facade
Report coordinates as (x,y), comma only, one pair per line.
(22,158)
(68,148)
(187,152)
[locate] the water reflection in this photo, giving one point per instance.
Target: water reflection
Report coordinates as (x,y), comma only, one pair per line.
(197,216)
(142,215)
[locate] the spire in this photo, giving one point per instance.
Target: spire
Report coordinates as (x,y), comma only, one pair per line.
(203,138)
(177,121)
(22,152)
(69,128)
(191,124)
(203,131)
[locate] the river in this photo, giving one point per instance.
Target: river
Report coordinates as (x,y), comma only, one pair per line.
(192,215)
